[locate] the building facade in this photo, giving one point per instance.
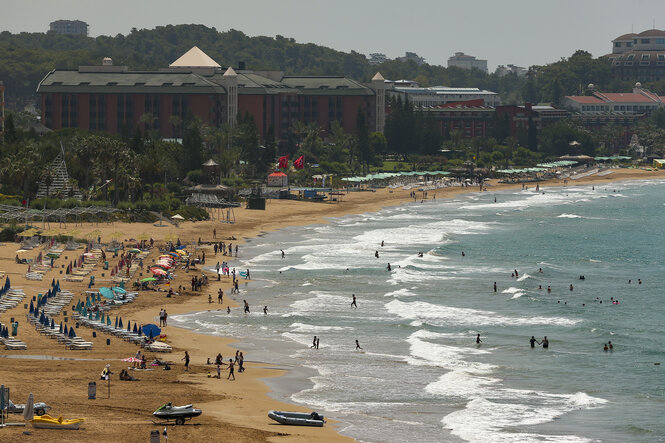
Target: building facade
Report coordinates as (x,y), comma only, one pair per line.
(116,100)
(639,57)
(465,61)
(69,27)
(640,101)
(470,119)
(439,95)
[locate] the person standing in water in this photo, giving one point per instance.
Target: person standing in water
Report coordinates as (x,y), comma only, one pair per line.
(533,341)
(353,303)
(545,342)
(388,267)
(478,340)
(314,342)
(494,286)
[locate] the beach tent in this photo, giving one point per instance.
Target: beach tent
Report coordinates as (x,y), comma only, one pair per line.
(151,329)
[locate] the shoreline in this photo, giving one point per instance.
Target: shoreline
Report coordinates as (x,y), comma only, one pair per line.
(226,405)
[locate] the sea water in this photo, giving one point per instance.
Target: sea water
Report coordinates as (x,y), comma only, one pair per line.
(420,375)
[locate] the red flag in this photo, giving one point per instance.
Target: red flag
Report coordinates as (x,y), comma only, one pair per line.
(283,162)
(299,163)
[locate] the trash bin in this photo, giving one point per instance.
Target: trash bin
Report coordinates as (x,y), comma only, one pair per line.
(154,436)
(92,390)
(94,334)
(108,342)
(15,328)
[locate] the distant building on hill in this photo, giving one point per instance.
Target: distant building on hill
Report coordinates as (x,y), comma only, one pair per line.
(113,99)
(502,70)
(69,27)
(639,57)
(376,58)
(465,61)
(412,56)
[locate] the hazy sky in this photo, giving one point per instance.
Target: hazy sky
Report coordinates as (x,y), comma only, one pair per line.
(521,32)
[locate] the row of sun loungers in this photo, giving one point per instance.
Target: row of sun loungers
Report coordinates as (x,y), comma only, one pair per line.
(13,344)
(10,299)
(124,334)
(55,304)
(76,343)
(122,276)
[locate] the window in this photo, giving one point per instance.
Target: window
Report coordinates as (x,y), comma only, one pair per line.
(629,45)
(617,44)
(660,41)
(645,41)
(630,57)
(645,57)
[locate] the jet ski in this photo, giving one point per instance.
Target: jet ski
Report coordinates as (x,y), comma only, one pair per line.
(177,413)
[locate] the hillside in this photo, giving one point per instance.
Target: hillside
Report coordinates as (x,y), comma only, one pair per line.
(25,58)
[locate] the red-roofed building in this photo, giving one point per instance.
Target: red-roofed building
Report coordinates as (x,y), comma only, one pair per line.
(641,102)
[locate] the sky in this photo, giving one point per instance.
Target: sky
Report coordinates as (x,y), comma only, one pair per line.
(519,32)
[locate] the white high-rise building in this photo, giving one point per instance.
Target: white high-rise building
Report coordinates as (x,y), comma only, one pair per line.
(465,61)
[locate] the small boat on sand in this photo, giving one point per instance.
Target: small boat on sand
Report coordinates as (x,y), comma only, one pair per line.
(297,418)
(47,422)
(177,413)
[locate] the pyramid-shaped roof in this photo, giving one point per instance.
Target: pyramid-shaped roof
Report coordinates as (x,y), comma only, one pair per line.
(377,76)
(194,58)
(230,72)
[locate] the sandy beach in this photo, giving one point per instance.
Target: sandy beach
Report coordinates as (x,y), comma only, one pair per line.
(231,409)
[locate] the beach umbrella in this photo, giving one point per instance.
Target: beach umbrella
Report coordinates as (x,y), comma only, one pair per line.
(7,284)
(52,324)
(52,281)
(140,331)
(65,331)
(158,271)
(90,315)
(135,328)
(32,307)
(29,410)
(72,334)
(119,290)
(128,328)
(148,279)
(120,323)
(60,328)
(151,335)
(135,250)
(108,320)
(151,329)
(97,315)
(106,292)
(116,322)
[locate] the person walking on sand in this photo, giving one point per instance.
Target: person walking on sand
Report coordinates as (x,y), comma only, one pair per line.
(231,374)
(358,345)
(186,358)
(166,316)
(220,296)
(353,303)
